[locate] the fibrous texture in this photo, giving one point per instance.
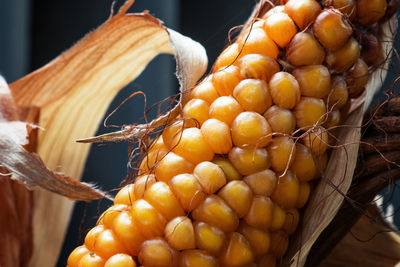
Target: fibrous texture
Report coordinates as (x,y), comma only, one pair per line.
(224,184)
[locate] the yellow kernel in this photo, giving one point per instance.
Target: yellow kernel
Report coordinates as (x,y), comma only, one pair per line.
(250,128)
(304,49)
(107,244)
(284,89)
(257,42)
(260,213)
(281,28)
(302,12)
(172,133)
(205,90)
(91,260)
(210,176)
(292,221)
(237,252)
(228,57)
(316,139)
(338,96)
(109,215)
(127,231)
(196,109)
(179,233)
(159,195)
(150,221)
(92,236)
(309,111)
(286,191)
(150,160)
(280,119)
(193,147)
(278,218)
(347,7)
(314,80)
(238,196)
(226,79)
(171,165)
(188,191)
(142,183)
(281,151)
(225,108)
(209,238)
(259,240)
(76,256)
(218,135)
(304,165)
(253,95)
(304,194)
(216,212)
(262,183)
(370,11)
(157,253)
(231,173)
(249,160)
(256,66)
(126,195)
(197,258)
(333,120)
(357,78)
(344,58)
(274,10)
(120,260)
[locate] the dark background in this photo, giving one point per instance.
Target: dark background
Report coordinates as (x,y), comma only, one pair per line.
(34,32)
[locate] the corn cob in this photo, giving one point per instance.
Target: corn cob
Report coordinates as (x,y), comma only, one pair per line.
(224,184)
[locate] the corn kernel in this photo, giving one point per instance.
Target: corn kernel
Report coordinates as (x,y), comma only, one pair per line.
(279,243)
(304,194)
(357,78)
(142,183)
(76,256)
(291,221)
(150,221)
(197,109)
(304,165)
(226,79)
(262,183)
(281,28)
(230,172)
(317,140)
(205,90)
(338,96)
(237,251)
(309,111)
(228,57)
(280,119)
(314,81)
(171,165)
(188,191)
(157,253)
(302,12)
(260,213)
(253,95)
(248,160)
(218,135)
(209,238)
(304,49)
(126,195)
(344,58)
(127,231)
(287,191)
(238,196)
(278,218)
(259,240)
(258,42)
(256,66)
(225,108)
(281,151)
(210,176)
(91,260)
(284,89)
(197,258)
(120,260)
(179,233)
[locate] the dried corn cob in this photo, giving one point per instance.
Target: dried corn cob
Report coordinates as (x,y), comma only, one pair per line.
(224,184)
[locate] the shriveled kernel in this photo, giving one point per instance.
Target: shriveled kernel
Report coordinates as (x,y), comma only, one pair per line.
(209,238)
(279,243)
(160,196)
(107,244)
(218,135)
(304,194)
(284,89)
(231,173)
(256,66)
(281,28)
(278,218)
(216,212)
(309,111)
(142,183)
(292,221)
(287,191)
(304,49)
(253,95)
(205,90)
(197,109)
(280,119)
(281,150)
(195,257)
(91,260)
(317,140)
(225,108)
(314,80)
(171,165)
(250,128)
(249,160)
(210,176)
(193,146)
(304,165)
(257,42)
(238,196)
(262,183)
(119,260)
(237,252)
(260,213)
(76,256)
(109,215)
(259,240)
(150,221)
(267,260)
(370,11)
(157,253)
(357,78)
(228,57)
(226,79)
(303,12)
(126,195)
(332,29)
(179,233)
(339,95)
(188,190)
(344,58)
(127,231)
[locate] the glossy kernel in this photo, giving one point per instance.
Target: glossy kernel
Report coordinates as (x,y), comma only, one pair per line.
(291,221)
(150,221)
(197,109)
(357,78)
(259,240)
(304,50)
(344,58)
(188,191)
(314,80)
(225,108)
(339,94)
(347,7)
(238,196)
(237,252)
(262,183)
(260,213)
(228,57)
(250,128)
(258,42)
(287,191)
(119,260)
(256,66)
(281,28)
(304,165)
(284,89)
(281,151)
(309,111)
(303,12)
(210,176)
(205,90)
(278,218)
(231,173)
(197,258)
(157,253)
(142,183)
(171,165)
(179,233)
(209,238)
(218,135)
(280,119)
(249,160)
(317,139)
(279,243)
(126,195)
(370,11)
(76,256)
(91,260)
(304,194)
(226,79)
(253,95)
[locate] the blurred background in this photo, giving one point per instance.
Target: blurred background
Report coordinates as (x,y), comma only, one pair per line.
(34,32)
